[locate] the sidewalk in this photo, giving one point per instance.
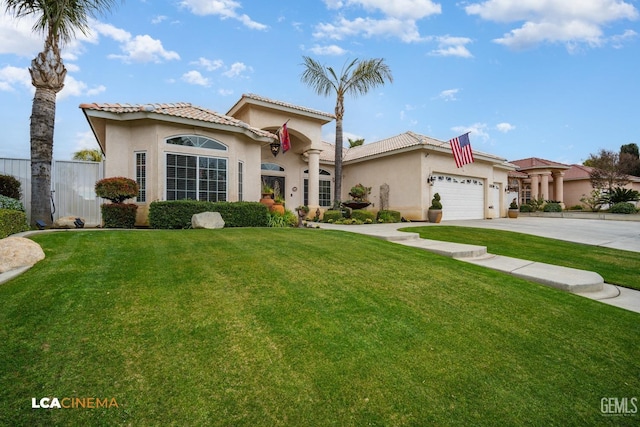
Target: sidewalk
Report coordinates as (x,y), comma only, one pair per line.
(580,282)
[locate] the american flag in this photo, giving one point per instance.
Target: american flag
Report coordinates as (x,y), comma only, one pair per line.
(461,148)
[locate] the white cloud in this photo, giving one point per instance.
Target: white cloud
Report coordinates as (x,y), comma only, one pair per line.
(224,9)
(18,37)
(236,69)
(477,130)
(449,94)
(399,19)
(328,50)
(73,87)
(452,46)
(208,64)
(554,21)
(195,78)
(85,141)
(225,92)
(12,76)
(158,19)
(505,127)
(144,49)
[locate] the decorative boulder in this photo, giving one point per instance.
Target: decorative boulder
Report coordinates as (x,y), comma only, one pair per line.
(209,220)
(66,222)
(16,252)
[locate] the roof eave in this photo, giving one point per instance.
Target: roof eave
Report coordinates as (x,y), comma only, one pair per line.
(324,118)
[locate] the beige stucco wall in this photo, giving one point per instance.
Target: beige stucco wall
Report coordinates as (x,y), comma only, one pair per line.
(127,138)
(407,174)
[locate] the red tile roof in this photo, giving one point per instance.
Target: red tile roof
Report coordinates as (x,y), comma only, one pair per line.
(258,98)
(181,109)
(537,163)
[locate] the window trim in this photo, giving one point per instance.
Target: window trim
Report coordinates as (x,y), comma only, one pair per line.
(197,174)
(141,180)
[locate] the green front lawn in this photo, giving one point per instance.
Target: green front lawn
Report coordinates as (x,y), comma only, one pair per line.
(615,266)
(303,328)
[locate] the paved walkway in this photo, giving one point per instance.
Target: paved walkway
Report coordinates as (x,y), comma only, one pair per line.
(612,234)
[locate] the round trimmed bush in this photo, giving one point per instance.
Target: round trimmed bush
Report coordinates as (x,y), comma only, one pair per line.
(552,207)
(332,215)
(623,208)
(117,189)
(363,215)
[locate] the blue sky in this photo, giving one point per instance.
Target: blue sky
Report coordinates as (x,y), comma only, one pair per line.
(556,79)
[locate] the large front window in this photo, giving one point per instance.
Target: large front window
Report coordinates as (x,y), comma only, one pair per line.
(196,178)
(324,188)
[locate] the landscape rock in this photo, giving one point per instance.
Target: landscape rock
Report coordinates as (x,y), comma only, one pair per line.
(16,252)
(209,220)
(66,222)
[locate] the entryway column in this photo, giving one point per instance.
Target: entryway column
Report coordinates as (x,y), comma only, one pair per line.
(314,178)
(534,186)
(558,186)
(545,185)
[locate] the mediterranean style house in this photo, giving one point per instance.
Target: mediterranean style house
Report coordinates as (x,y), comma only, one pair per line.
(181,151)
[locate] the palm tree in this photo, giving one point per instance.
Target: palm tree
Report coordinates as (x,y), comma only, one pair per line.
(57,21)
(88,155)
(357,78)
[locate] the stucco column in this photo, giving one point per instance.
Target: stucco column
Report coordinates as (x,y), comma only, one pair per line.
(534,186)
(558,186)
(545,185)
(314,178)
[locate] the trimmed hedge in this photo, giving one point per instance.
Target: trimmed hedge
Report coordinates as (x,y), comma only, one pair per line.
(332,215)
(389,216)
(177,214)
(623,208)
(12,222)
(11,203)
(119,215)
(363,215)
(552,207)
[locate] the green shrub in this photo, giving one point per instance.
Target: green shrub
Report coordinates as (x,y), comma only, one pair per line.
(435,202)
(119,215)
(117,189)
(623,208)
(9,186)
(12,222)
(526,208)
(389,216)
(177,214)
(11,203)
(552,207)
(332,215)
(620,194)
(576,208)
(363,215)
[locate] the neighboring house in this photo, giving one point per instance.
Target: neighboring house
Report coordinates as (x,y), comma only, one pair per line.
(180,151)
(550,180)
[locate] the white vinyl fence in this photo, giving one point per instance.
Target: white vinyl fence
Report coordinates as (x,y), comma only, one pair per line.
(72,183)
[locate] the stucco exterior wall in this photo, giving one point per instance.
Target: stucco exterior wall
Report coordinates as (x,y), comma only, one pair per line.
(127,138)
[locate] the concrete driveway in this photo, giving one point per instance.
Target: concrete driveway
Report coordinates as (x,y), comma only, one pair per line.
(611,234)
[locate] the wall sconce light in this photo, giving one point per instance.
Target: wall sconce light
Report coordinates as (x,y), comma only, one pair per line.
(431,179)
(275,148)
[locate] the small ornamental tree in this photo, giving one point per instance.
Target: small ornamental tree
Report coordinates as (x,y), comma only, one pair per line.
(9,186)
(118,189)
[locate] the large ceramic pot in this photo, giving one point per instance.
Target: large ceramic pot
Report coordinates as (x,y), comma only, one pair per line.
(513,213)
(267,200)
(434,215)
(278,208)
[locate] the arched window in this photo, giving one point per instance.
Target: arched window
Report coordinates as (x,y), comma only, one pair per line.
(271,167)
(197,141)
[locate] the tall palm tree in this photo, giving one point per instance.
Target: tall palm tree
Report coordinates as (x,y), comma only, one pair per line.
(356,78)
(57,21)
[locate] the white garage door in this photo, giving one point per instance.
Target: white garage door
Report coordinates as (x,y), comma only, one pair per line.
(461,197)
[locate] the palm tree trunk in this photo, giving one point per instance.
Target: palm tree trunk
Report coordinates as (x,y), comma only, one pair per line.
(43,113)
(47,75)
(339,112)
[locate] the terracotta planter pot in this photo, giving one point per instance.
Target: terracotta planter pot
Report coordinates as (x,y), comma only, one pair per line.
(513,213)
(434,215)
(267,201)
(278,208)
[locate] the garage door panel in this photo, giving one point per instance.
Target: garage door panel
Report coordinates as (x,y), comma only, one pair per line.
(461,197)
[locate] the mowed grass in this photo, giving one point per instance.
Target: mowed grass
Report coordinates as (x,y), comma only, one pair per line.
(254,327)
(615,266)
